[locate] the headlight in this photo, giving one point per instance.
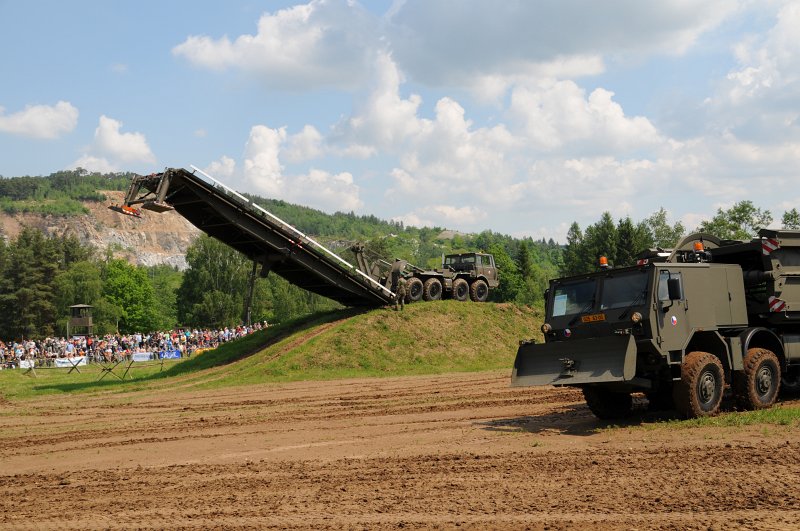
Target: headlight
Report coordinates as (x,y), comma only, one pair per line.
(546,328)
(636,318)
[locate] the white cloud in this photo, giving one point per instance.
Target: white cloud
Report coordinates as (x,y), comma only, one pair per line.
(262,168)
(444,216)
(41,121)
(264,174)
(770,64)
(322,43)
(385,119)
(438,44)
(224,168)
(331,192)
(113,150)
(305,145)
(95,164)
(125,147)
(557,114)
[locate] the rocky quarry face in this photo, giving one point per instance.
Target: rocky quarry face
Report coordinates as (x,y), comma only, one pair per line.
(150,240)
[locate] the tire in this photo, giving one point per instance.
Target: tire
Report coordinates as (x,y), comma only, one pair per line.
(460,290)
(608,405)
(479,291)
(432,290)
(414,290)
(699,391)
(757,386)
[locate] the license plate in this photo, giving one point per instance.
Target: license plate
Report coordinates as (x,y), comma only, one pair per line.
(593,318)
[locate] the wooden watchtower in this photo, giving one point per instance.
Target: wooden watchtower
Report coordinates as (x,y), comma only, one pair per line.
(80,320)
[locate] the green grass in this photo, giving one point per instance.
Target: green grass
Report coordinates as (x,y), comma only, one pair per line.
(425,338)
(778,415)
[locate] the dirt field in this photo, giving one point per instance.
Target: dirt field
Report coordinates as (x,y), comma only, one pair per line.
(448,451)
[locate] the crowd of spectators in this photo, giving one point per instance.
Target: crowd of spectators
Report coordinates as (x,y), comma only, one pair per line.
(118,347)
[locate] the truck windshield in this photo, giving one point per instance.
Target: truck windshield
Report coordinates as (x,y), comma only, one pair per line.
(621,291)
(573,298)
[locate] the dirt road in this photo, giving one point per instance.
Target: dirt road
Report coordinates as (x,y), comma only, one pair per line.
(447,451)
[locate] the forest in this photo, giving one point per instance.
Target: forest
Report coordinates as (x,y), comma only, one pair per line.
(41,276)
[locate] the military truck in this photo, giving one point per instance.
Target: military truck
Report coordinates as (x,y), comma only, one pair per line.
(462,276)
(683,327)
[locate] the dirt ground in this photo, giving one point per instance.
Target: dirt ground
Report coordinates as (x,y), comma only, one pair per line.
(462,450)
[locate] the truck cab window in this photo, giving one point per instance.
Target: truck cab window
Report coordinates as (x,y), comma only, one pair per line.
(577,297)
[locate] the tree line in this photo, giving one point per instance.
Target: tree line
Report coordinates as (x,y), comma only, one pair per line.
(41,276)
(621,241)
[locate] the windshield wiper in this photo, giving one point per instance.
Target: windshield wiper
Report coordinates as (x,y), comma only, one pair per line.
(638,300)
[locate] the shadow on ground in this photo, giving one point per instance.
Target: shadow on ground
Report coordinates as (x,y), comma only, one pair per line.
(575,419)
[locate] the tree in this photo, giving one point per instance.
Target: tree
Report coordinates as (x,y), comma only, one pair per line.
(165,280)
(524,260)
(127,287)
(599,240)
(573,262)
(740,222)
(631,240)
(791,219)
(664,235)
(213,287)
(510,278)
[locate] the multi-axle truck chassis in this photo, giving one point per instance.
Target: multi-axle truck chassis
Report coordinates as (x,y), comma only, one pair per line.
(682,327)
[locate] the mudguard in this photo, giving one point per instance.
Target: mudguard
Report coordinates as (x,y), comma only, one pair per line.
(582,361)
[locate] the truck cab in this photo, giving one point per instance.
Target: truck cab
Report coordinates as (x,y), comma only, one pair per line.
(678,328)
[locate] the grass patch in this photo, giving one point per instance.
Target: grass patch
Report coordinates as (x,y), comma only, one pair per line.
(778,415)
(784,415)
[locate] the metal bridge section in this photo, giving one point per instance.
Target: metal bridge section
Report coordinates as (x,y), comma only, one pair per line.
(231,218)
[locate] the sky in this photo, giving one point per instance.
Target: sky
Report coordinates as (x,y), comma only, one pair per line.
(518,117)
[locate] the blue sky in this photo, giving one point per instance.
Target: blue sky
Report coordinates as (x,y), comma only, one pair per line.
(518,117)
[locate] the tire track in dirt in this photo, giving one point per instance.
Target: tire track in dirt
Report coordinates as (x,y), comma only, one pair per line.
(441,451)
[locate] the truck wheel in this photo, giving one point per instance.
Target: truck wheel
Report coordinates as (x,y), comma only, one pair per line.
(757,386)
(699,391)
(479,291)
(460,289)
(432,290)
(414,290)
(607,405)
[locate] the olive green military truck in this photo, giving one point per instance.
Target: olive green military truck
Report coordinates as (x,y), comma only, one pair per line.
(463,276)
(682,326)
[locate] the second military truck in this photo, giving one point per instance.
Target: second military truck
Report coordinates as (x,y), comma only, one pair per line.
(681,327)
(463,276)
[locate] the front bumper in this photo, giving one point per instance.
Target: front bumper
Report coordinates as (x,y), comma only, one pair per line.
(582,361)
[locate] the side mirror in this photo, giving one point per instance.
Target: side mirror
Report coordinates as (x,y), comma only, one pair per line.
(675,289)
(546,295)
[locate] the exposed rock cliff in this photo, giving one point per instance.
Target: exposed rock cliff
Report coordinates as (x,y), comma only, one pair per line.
(149,240)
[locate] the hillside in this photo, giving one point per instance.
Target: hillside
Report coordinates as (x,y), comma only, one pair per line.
(150,240)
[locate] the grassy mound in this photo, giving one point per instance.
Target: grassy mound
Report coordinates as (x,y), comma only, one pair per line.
(425,338)
(429,338)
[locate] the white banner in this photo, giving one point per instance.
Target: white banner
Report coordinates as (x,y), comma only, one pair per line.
(70,362)
(142,356)
(27,364)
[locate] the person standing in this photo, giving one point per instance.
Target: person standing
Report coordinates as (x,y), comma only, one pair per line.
(400,293)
